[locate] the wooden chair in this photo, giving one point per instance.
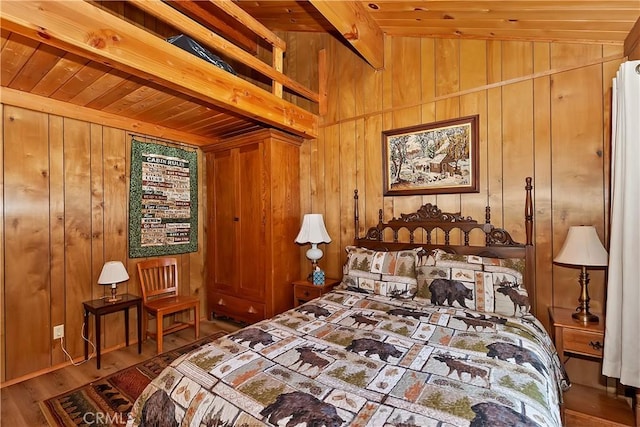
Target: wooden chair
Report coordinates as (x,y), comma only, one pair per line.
(159,283)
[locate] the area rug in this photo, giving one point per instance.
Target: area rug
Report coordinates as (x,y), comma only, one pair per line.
(108,401)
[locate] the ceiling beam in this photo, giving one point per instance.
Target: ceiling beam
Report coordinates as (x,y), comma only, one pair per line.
(632,42)
(357,26)
(93,33)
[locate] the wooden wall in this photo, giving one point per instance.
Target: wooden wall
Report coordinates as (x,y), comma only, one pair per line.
(65,212)
(544,111)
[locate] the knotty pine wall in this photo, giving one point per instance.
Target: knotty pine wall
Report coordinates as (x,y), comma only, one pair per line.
(544,111)
(65,212)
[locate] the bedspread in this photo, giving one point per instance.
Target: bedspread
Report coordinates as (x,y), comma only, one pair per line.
(357,359)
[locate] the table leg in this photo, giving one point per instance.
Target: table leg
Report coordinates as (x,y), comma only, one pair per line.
(85,333)
(139,309)
(126,326)
(97,318)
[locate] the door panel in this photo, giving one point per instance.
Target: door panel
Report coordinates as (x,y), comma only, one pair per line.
(224,269)
(251,208)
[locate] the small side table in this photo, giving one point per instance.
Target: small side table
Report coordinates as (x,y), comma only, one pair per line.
(100,307)
(304,290)
(586,405)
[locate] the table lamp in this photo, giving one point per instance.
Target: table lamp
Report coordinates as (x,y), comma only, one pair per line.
(313,231)
(113,272)
(583,248)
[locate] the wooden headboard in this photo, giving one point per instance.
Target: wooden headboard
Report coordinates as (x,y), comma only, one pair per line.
(430,228)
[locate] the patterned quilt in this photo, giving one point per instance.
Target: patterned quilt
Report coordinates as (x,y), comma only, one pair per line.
(349,358)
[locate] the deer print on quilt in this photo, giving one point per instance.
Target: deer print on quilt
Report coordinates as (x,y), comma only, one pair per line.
(350,358)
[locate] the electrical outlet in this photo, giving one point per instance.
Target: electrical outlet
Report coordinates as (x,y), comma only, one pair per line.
(58,332)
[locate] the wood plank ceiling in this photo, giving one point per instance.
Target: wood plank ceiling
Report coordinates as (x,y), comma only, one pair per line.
(63,78)
(579,21)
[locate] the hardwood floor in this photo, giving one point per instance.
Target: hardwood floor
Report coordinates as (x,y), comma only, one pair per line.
(19,406)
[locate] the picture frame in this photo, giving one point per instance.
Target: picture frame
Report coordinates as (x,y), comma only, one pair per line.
(435,158)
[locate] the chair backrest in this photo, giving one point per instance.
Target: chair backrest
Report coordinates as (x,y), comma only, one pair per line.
(158,278)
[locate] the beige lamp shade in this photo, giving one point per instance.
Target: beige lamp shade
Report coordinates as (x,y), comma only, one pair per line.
(582,247)
(113,272)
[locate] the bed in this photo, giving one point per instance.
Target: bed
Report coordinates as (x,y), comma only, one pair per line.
(432,331)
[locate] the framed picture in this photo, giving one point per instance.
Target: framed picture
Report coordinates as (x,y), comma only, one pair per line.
(436,158)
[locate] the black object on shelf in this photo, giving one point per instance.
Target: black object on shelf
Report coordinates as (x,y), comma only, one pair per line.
(188,44)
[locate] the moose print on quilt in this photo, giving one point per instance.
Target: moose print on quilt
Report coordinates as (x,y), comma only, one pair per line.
(352,358)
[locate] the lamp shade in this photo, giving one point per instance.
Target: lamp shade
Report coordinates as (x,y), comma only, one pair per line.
(313,230)
(113,272)
(582,247)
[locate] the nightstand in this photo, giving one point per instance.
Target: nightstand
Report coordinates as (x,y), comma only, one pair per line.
(100,307)
(304,290)
(586,406)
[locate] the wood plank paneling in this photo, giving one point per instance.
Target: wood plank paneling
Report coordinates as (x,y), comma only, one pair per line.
(552,126)
(332,214)
(370,196)
(3,337)
(57,231)
(517,146)
(473,65)
(528,96)
(348,180)
(577,169)
(542,172)
(65,212)
(26,244)
(115,146)
(97,212)
(77,226)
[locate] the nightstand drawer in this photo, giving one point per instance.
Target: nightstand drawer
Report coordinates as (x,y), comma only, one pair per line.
(583,342)
(304,291)
(307,293)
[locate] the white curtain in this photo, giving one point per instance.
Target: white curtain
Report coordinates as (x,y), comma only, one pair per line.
(622,329)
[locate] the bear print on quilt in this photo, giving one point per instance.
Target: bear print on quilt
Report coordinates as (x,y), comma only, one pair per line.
(486,284)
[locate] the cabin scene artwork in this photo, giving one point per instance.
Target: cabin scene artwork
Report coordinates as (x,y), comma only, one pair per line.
(435,158)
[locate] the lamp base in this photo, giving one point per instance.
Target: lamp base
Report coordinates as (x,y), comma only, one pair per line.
(582,311)
(585,316)
(114,294)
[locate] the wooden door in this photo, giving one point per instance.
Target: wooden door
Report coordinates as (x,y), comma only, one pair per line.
(224,224)
(250,209)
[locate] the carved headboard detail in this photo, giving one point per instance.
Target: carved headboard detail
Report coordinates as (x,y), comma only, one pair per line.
(429,219)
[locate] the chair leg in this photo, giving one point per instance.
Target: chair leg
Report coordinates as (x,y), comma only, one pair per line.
(145,324)
(196,320)
(159,332)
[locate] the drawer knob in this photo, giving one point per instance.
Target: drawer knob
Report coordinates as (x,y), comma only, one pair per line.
(306,293)
(596,345)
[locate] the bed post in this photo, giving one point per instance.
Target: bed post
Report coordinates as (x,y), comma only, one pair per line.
(528,212)
(530,266)
(356,217)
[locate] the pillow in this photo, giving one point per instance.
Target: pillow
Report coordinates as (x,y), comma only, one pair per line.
(486,284)
(510,295)
(391,273)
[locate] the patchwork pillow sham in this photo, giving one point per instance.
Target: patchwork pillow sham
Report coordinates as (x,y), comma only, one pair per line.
(492,285)
(391,273)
